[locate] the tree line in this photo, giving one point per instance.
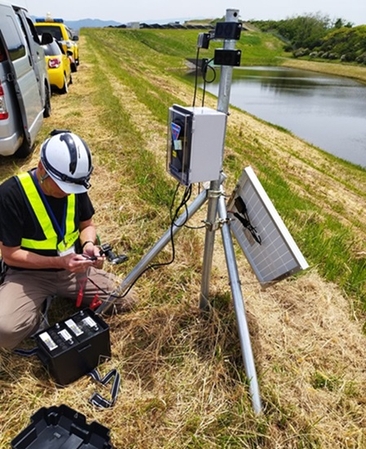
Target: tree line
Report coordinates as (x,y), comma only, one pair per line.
(316,36)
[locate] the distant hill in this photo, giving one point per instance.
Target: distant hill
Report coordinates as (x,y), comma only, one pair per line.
(90,23)
(97,23)
(87,23)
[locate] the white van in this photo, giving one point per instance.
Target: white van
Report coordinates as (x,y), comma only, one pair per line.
(25,92)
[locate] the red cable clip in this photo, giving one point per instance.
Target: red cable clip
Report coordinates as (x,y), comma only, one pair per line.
(96,302)
(80,296)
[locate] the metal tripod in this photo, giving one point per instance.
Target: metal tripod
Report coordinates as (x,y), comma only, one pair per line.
(216,219)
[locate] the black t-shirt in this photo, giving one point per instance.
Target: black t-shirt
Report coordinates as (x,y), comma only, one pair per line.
(17,220)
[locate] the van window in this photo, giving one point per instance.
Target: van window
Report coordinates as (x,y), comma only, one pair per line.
(55,31)
(15,46)
(2,52)
(33,31)
(69,33)
(31,28)
(53,49)
(21,26)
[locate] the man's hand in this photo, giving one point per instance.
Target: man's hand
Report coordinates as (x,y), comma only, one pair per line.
(79,263)
(75,263)
(91,252)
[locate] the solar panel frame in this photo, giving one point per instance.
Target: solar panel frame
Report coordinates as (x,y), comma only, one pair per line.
(277,256)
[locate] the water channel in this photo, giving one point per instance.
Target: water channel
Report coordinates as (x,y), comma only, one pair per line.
(326,111)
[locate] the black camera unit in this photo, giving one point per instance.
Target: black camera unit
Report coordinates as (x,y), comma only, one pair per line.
(227,57)
(106,250)
(223,30)
(228,30)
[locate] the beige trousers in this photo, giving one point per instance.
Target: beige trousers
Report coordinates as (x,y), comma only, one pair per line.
(23,293)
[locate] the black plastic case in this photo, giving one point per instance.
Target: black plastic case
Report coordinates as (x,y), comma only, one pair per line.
(73,347)
(62,428)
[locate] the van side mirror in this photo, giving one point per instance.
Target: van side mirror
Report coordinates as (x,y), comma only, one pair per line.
(47,38)
(75,38)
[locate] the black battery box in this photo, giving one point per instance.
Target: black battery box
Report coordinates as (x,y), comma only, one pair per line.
(73,347)
(62,428)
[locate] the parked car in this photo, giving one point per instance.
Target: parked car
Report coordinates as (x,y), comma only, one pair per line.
(63,34)
(58,67)
(25,91)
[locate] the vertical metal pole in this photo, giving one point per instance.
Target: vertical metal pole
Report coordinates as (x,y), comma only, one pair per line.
(243,329)
(232,15)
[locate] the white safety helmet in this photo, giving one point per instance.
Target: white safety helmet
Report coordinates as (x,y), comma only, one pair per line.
(67,160)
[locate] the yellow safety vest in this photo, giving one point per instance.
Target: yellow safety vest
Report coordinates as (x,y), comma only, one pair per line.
(51,240)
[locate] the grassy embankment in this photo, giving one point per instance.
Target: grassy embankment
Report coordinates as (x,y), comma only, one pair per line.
(183,382)
(340,245)
(350,71)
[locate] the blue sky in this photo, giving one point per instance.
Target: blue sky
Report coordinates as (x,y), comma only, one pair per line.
(125,11)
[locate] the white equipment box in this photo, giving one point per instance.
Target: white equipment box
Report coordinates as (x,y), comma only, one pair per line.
(195,143)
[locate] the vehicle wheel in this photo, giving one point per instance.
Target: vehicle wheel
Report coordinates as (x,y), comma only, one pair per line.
(24,150)
(74,67)
(70,82)
(47,103)
(65,87)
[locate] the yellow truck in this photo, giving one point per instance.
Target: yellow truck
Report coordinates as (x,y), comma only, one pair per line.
(63,34)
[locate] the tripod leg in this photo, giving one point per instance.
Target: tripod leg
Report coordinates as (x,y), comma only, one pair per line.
(214,194)
(244,335)
(146,260)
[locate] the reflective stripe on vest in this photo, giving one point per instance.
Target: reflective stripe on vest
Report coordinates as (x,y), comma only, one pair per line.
(51,239)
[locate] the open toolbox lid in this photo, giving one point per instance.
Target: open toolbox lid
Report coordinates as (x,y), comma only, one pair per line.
(62,428)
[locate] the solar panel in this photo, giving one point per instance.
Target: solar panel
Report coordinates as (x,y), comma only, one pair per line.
(262,235)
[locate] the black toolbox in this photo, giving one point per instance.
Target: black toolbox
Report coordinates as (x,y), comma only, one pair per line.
(75,346)
(62,428)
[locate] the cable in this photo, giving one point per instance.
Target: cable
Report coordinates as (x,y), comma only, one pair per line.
(195,227)
(243,217)
(205,80)
(173,217)
(196,78)
(183,203)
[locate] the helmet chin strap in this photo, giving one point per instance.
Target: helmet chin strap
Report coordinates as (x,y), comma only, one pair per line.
(40,172)
(43,177)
